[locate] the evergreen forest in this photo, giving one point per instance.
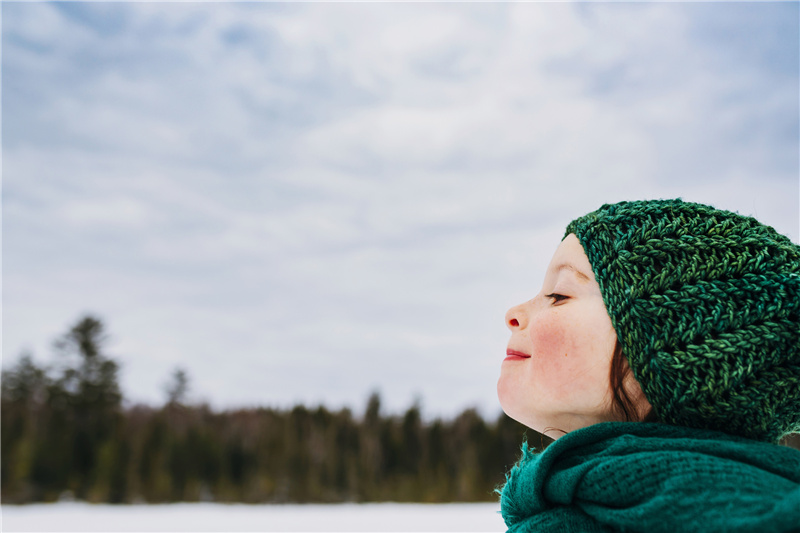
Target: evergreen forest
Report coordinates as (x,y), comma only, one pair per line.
(66,435)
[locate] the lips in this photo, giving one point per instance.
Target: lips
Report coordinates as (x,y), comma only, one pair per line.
(513,355)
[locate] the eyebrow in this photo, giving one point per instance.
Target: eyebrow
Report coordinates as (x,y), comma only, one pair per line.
(578,273)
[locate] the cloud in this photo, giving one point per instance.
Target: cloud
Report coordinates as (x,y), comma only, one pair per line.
(305,202)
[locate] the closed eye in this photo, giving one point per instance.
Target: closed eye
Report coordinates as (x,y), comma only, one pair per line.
(557,298)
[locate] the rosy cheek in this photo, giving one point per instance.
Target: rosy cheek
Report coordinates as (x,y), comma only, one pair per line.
(556,355)
(549,337)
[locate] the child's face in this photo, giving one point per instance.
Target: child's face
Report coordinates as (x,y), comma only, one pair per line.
(556,373)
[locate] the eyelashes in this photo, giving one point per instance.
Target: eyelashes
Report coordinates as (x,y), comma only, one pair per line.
(557,298)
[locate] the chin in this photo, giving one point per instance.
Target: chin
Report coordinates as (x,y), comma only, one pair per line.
(509,403)
(517,411)
(504,395)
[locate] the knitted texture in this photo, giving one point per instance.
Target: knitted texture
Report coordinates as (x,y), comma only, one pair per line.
(706,306)
(629,476)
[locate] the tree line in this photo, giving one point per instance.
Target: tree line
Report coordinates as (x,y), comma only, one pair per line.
(66,434)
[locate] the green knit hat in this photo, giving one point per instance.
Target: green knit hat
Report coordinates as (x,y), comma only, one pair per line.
(706,306)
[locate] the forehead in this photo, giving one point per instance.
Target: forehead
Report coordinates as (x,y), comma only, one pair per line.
(570,256)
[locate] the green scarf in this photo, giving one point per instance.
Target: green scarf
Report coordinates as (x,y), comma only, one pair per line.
(619,476)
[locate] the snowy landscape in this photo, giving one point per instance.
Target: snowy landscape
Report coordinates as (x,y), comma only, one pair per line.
(262,251)
(239,517)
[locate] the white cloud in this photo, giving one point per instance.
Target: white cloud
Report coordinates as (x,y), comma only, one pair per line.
(304,202)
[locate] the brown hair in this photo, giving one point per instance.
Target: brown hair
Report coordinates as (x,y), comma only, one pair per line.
(621,400)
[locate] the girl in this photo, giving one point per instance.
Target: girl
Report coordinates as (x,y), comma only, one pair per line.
(683,319)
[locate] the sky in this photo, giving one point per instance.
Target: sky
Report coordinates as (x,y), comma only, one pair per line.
(305,203)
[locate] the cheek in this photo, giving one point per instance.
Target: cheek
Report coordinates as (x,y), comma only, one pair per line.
(560,352)
(552,338)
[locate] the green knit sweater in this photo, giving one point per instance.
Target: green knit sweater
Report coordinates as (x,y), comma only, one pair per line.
(620,476)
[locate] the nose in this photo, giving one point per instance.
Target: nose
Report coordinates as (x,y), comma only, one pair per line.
(516,317)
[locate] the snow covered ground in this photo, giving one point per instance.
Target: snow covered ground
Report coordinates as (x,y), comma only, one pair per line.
(220,517)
